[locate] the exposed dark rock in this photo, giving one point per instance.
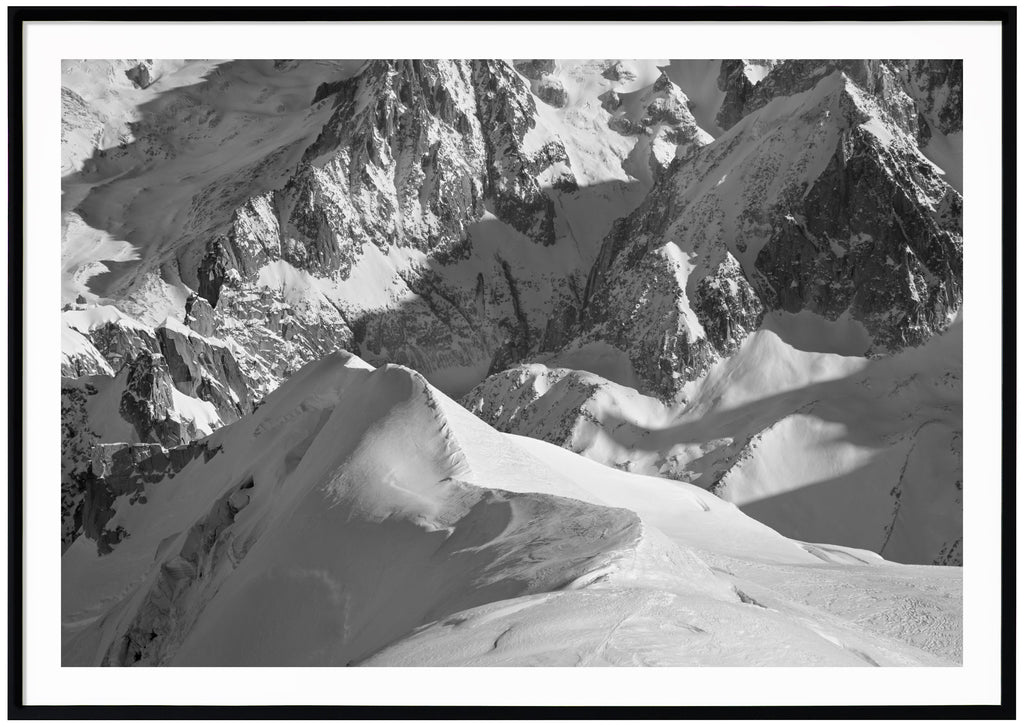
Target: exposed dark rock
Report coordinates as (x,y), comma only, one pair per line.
(118,470)
(147,402)
(618,72)
(199,315)
(727,307)
(856,238)
(120,342)
(623,125)
(551,91)
(936,86)
(205,370)
(668,109)
(140,74)
(916,94)
(534,69)
(212,271)
(507,112)
(517,342)
(76,443)
(860,242)
(325,90)
(610,101)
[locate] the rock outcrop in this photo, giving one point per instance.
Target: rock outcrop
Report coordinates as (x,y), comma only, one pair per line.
(819,201)
(140,74)
(147,402)
(124,470)
(205,369)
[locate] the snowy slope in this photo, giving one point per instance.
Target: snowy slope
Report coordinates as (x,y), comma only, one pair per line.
(300,538)
(820,446)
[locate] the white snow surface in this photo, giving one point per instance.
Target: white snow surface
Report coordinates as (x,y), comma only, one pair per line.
(820,445)
(359,516)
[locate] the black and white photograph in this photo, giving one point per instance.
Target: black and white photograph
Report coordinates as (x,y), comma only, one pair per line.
(413,352)
(503,363)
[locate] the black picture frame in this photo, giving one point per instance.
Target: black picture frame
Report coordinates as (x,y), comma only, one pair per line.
(1006,16)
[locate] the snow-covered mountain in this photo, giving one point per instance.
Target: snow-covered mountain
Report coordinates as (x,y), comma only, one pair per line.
(296,536)
(821,446)
(741,276)
(435,214)
(816,201)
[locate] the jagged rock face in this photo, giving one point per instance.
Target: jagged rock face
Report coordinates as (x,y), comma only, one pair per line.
(118,470)
(644,310)
(140,74)
(253,239)
(120,343)
(535,68)
(862,242)
(199,365)
(274,338)
(727,306)
(917,95)
(403,159)
(668,103)
(788,78)
(644,298)
(410,154)
(395,164)
(618,72)
(410,151)
(937,88)
(406,161)
(146,397)
(738,90)
(199,316)
(507,113)
(148,402)
(610,101)
(211,273)
(509,402)
(724,236)
(661,118)
(552,92)
(204,370)
(76,443)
